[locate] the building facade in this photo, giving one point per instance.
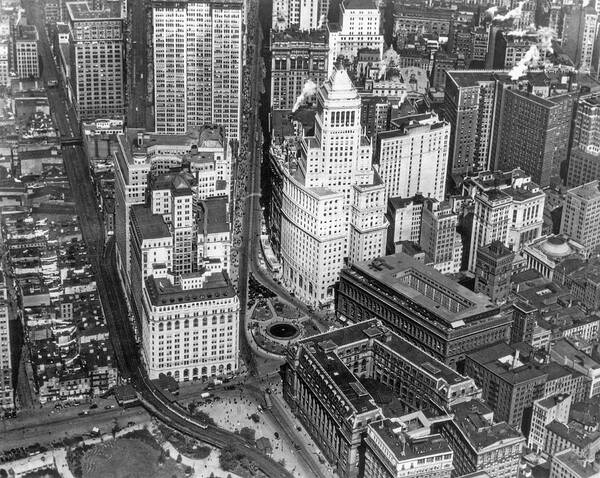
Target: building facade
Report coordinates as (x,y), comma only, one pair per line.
(359,29)
(421,305)
(412,157)
(581,215)
(296,57)
(509,207)
(197,57)
(493,269)
(25,47)
(439,237)
(98,50)
(6,385)
(584,160)
(405,447)
(301,15)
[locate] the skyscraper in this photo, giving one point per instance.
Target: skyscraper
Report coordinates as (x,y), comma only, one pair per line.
(359,28)
(197,47)
(580,25)
(97,76)
(413,156)
(509,207)
(584,160)
(25,51)
(439,238)
(534,134)
(332,201)
(581,215)
(470,108)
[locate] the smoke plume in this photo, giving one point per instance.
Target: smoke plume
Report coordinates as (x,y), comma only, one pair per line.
(321,22)
(531,57)
(390,57)
(511,14)
(308,91)
(546,35)
(402,98)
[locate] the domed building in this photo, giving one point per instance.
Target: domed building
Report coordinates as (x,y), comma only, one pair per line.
(547,252)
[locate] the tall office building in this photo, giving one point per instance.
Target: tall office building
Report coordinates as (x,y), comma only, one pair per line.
(510,48)
(295,58)
(509,208)
(413,156)
(97,76)
(581,215)
(359,29)
(584,160)
(25,51)
(332,201)
(534,134)
(439,238)
(470,108)
(6,388)
(580,26)
(197,56)
(142,157)
(299,14)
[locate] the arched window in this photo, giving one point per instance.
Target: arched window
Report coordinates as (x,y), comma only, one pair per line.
(176,325)
(168,325)
(161,327)
(195,322)
(186,323)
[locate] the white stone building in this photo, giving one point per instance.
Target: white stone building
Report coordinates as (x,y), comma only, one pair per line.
(332,200)
(359,27)
(413,158)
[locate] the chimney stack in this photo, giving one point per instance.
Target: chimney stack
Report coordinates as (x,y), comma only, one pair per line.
(515,359)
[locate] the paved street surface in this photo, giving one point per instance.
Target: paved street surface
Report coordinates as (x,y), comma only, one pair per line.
(137,109)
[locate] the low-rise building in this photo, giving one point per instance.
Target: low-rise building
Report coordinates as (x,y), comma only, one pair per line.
(422,305)
(404,447)
(479,443)
(326,380)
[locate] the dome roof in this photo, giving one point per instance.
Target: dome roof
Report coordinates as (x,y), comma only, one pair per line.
(556,247)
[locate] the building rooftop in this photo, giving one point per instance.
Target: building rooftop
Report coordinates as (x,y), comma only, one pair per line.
(442,297)
(148,225)
(511,366)
(565,349)
(360,5)
(474,419)
(406,448)
(293,36)
(372,329)
(214,216)
(162,292)
(586,191)
(26,33)
(111,10)
(570,459)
